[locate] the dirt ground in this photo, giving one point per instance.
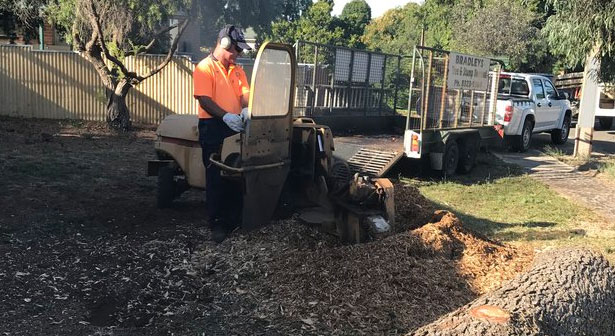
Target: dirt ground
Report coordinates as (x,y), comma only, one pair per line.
(86,252)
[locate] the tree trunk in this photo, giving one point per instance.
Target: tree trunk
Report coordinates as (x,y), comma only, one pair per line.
(118,115)
(567,292)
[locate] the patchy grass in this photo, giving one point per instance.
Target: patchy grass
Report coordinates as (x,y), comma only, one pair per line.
(599,164)
(520,210)
(554,151)
(607,168)
(562,156)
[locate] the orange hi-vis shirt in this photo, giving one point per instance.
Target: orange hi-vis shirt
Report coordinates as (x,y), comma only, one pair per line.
(225,88)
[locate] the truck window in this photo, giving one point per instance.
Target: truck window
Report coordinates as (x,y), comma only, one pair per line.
(513,86)
(550,90)
(538,89)
(504,85)
(606,102)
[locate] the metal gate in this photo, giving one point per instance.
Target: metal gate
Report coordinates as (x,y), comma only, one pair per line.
(339,81)
(451,91)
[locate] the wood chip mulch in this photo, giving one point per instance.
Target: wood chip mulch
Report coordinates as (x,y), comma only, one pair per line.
(84,251)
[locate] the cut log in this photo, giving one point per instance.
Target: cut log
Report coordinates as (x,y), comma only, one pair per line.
(566,292)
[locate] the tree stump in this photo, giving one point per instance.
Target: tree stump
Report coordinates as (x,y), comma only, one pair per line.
(566,292)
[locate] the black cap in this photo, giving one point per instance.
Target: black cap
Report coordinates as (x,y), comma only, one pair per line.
(236,36)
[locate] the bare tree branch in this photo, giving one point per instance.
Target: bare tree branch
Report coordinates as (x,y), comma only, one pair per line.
(170,54)
(95,21)
(149,46)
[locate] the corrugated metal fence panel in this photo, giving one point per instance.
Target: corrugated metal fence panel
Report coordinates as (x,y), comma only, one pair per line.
(167,92)
(45,84)
(64,85)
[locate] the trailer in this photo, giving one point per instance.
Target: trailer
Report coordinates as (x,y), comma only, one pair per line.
(433,105)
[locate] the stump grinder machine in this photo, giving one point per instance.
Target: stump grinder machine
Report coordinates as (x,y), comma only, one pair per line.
(284,165)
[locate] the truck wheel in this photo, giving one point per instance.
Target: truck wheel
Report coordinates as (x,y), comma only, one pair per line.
(468,151)
(523,142)
(605,122)
(166,187)
(451,159)
(560,136)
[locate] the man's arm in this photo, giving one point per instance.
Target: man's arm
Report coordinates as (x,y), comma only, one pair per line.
(245,99)
(211,107)
(233,121)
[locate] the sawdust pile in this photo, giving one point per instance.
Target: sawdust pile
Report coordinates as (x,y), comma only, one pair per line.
(412,209)
(86,252)
(288,278)
(485,263)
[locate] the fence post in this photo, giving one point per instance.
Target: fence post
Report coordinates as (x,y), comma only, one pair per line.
(314,80)
(332,89)
(384,71)
(472,107)
(396,84)
(443,98)
(349,94)
(426,94)
(366,97)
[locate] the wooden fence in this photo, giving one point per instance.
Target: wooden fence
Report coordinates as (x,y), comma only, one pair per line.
(64,85)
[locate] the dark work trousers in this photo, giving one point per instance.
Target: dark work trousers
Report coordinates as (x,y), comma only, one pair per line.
(224,197)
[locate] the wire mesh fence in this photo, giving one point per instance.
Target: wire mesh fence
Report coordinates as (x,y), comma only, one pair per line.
(339,81)
(436,104)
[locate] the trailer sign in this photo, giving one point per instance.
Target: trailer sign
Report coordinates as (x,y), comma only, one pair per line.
(467,72)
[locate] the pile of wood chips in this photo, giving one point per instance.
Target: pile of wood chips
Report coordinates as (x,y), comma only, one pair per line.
(85,252)
(288,278)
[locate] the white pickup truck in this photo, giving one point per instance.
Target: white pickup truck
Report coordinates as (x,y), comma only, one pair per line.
(530,104)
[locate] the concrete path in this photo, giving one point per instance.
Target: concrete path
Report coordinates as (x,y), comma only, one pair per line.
(592,192)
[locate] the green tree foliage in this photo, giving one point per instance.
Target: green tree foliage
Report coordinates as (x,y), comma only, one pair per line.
(355,17)
(319,26)
(503,28)
(21,17)
(436,18)
(580,25)
(509,29)
(292,9)
(257,14)
(315,25)
(26,12)
(396,31)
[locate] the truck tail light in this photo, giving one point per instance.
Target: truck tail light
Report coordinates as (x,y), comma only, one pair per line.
(415,143)
(508,112)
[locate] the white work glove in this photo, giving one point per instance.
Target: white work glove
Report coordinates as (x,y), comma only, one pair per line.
(233,121)
(245,114)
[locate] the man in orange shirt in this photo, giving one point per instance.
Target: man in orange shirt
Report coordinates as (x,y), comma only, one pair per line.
(222,90)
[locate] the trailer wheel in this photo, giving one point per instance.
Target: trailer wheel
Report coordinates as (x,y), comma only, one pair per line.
(166,187)
(468,151)
(522,143)
(451,159)
(605,122)
(560,136)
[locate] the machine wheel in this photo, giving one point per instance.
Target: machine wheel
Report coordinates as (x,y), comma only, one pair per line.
(523,142)
(605,122)
(451,159)
(560,136)
(468,151)
(166,187)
